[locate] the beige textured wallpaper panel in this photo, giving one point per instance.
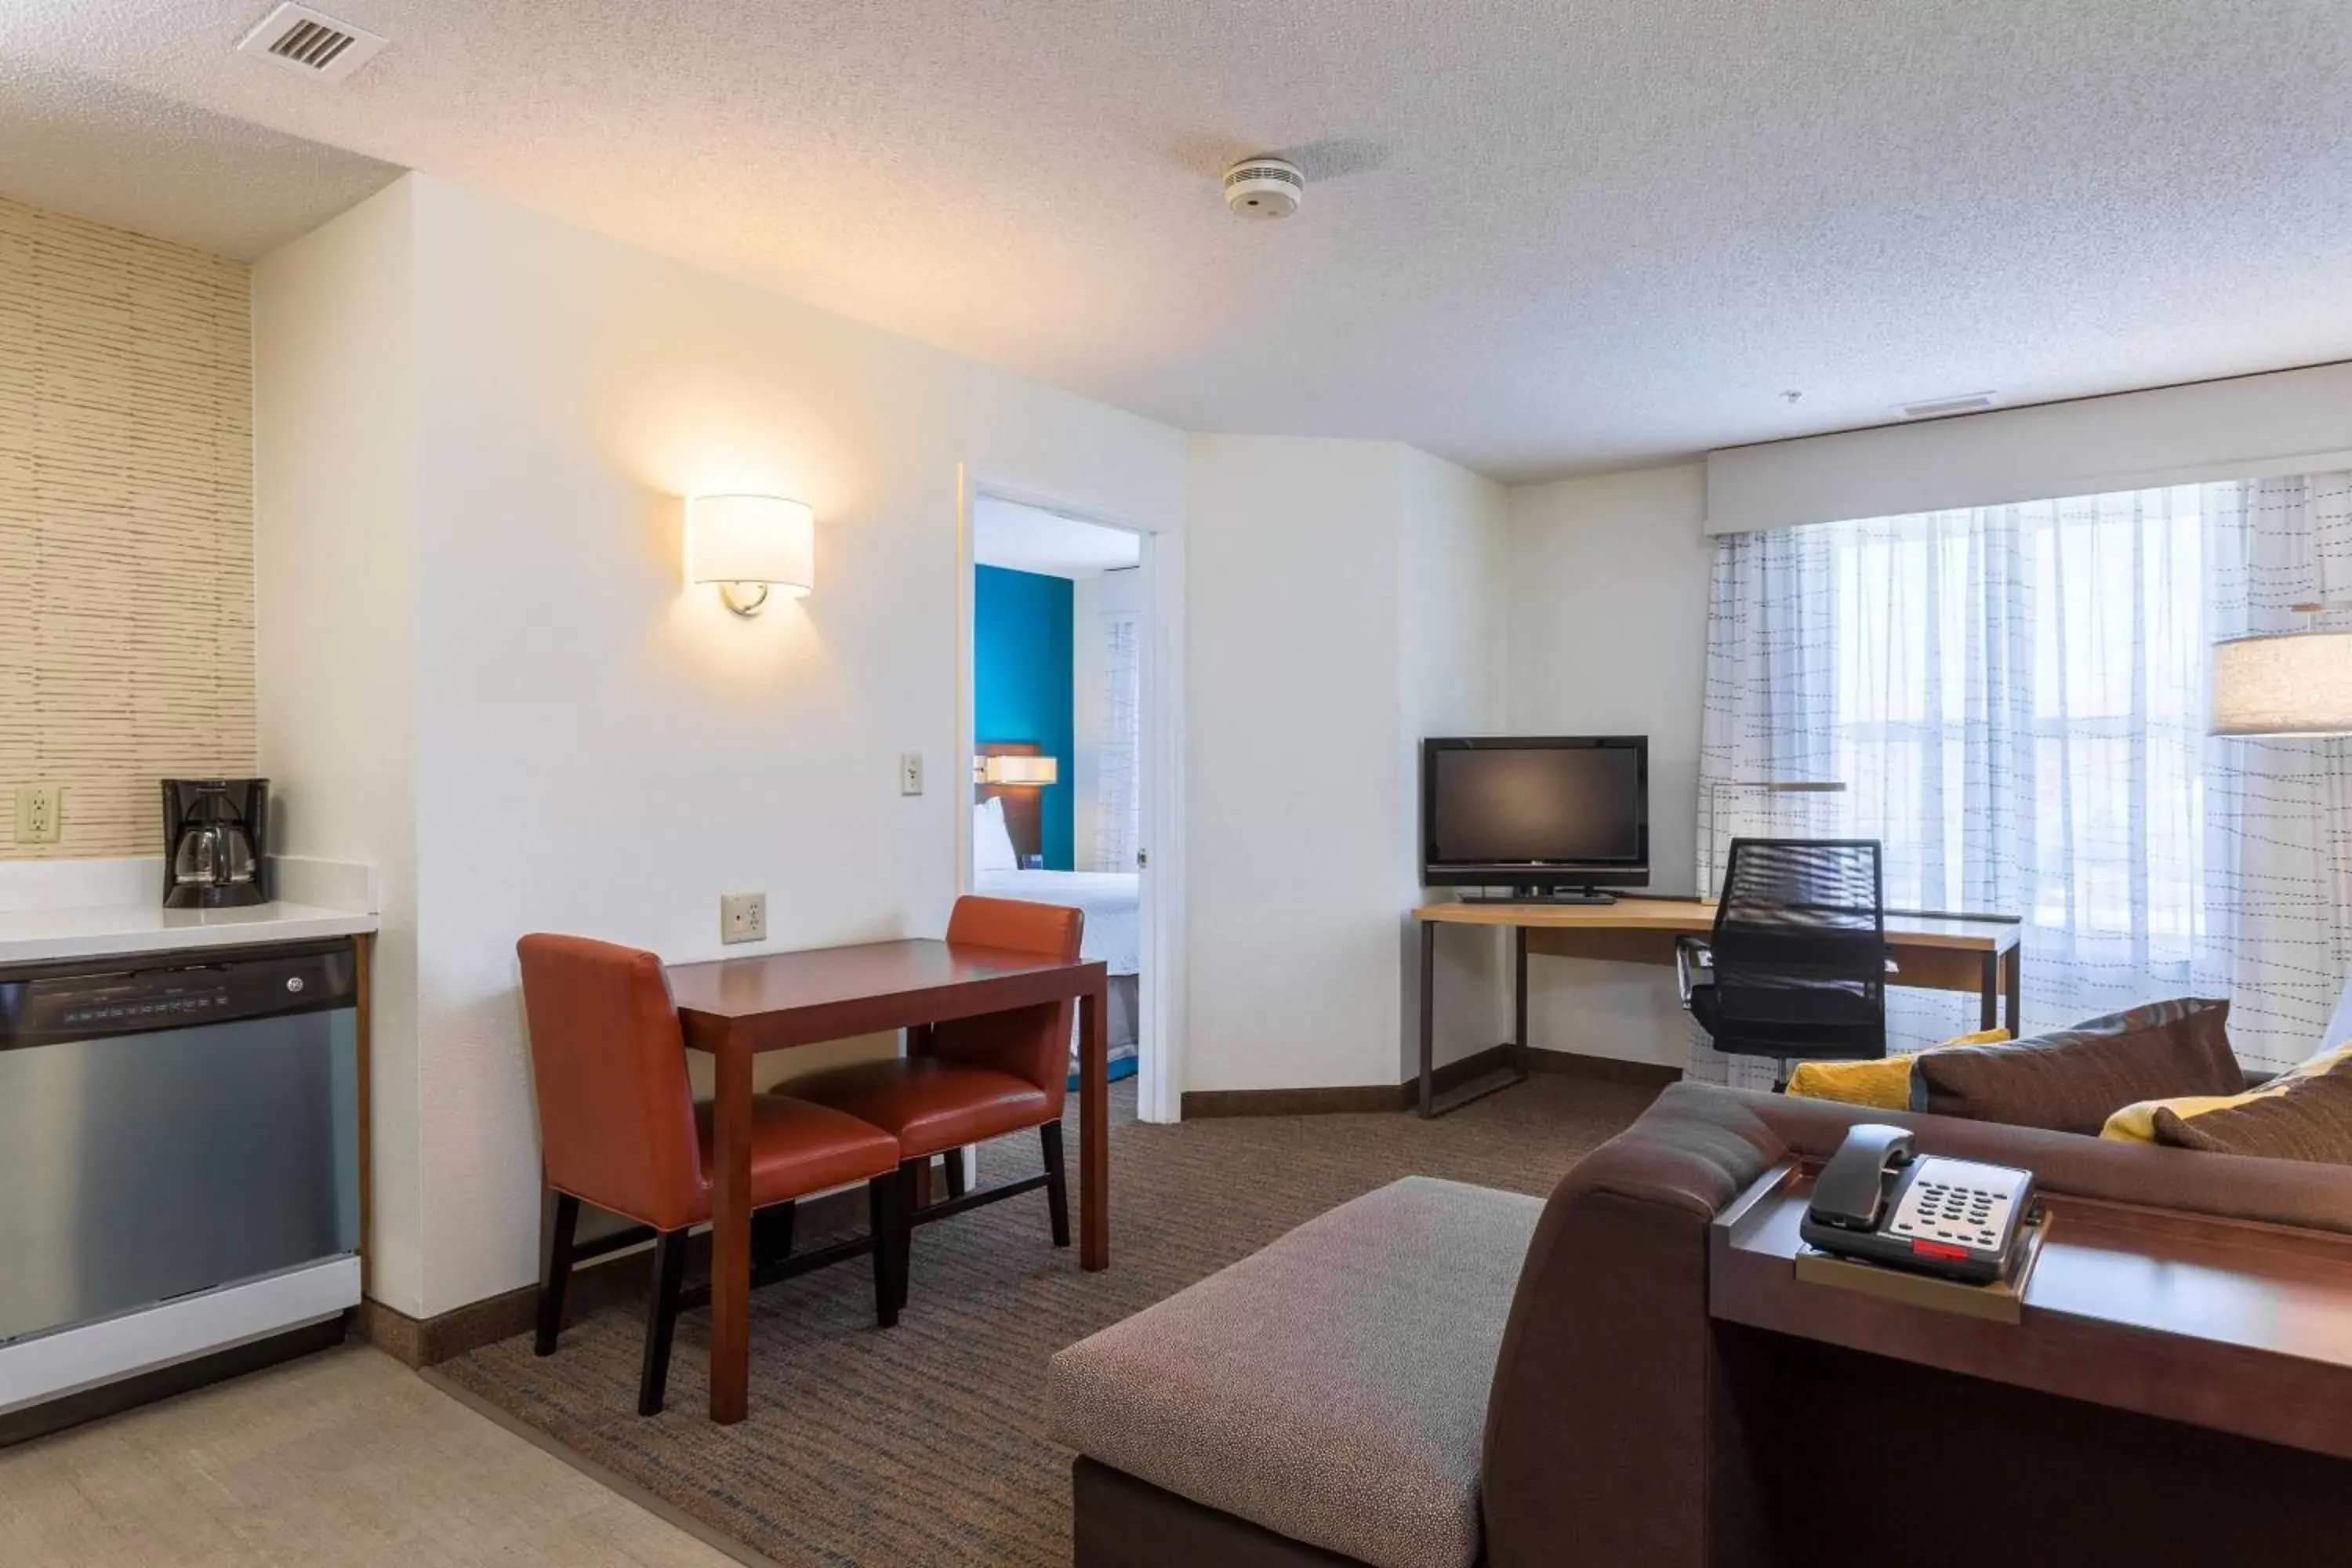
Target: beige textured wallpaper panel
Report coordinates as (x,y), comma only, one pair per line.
(126,526)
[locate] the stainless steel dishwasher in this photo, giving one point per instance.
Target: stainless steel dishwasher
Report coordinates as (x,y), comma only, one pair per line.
(179,1161)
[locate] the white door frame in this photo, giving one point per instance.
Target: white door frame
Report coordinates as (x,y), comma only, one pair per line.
(1159,1064)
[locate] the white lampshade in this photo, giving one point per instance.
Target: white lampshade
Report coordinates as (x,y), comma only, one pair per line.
(1017,770)
(749,545)
(2294,683)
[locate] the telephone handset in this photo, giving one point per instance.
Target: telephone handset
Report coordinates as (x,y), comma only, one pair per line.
(1876,1199)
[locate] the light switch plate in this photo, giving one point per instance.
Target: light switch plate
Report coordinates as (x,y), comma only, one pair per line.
(742,916)
(911,773)
(36,813)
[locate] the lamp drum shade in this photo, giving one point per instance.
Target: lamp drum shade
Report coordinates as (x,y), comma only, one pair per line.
(765,539)
(1016,770)
(2293,683)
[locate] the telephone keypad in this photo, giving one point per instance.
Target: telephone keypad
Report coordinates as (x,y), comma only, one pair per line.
(1955,1201)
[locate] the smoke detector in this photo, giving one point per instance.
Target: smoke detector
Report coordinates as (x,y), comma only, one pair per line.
(1263,187)
(310,42)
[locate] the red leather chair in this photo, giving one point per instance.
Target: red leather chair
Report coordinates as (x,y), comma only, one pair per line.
(975,1078)
(619,1128)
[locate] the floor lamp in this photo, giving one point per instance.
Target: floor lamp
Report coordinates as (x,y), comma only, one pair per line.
(2285,685)
(1767,786)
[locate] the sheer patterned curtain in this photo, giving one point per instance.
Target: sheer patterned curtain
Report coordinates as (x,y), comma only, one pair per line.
(1119,817)
(2015,700)
(2278,814)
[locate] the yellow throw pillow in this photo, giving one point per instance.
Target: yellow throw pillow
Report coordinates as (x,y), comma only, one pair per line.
(2137,1123)
(1882,1083)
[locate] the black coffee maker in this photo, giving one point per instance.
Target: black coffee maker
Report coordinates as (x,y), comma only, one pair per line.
(215,831)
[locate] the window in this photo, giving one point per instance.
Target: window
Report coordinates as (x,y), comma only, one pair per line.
(2015,700)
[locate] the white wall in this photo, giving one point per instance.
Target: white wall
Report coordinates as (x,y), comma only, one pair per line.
(600,750)
(482,672)
(1290,784)
(1452,674)
(1091,598)
(1608,635)
(1342,597)
(335,468)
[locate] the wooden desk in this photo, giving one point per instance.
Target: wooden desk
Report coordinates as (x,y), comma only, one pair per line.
(735,1008)
(1936,953)
(2225,1324)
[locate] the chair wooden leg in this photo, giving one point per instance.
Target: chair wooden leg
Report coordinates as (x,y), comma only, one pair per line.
(661,1320)
(559,1219)
(771,1234)
(886,1219)
(952,1162)
(910,1173)
(1058,1186)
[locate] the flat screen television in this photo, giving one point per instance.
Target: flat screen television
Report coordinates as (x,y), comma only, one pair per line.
(1556,816)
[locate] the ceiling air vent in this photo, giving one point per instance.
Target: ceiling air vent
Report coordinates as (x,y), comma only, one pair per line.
(1967,402)
(311,42)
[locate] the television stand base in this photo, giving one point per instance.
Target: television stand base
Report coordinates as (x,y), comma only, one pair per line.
(1555,896)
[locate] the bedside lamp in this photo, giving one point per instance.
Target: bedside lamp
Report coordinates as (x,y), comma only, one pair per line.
(1016,771)
(748,545)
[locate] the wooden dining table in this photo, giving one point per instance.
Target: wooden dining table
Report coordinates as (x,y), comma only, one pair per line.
(735,1008)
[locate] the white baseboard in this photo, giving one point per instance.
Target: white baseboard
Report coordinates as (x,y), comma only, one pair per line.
(52,1365)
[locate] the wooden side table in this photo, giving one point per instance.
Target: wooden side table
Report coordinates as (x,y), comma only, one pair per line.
(2225,1324)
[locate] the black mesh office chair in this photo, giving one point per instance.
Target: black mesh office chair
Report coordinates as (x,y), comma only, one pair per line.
(1798,955)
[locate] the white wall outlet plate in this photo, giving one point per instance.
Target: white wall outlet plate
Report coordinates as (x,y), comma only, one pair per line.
(911,773)
(742,916)
(37,813)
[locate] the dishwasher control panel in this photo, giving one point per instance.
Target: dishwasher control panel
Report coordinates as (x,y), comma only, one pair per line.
(124,996)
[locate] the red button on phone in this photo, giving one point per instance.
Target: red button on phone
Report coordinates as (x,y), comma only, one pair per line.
(1938,1249)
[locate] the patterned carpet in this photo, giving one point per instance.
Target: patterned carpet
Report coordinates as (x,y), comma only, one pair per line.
(927,1444)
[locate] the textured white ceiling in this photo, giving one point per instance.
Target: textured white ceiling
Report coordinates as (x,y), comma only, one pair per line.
(133,160)
(1030,539)
(1543,234)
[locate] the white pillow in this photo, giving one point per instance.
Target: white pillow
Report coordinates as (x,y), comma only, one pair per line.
(991,841)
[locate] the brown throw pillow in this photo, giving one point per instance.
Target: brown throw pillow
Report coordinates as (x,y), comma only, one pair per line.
(2071,1080)
(2306,1114)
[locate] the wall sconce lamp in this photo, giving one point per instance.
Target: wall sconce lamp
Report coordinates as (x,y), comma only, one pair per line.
(748,545)
(2284,683)
(1016,772)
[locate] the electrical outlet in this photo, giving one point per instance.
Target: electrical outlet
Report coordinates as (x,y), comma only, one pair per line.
(36,813)
(742,916)
(911,773)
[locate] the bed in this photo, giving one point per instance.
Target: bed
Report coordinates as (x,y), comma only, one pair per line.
(1108,898)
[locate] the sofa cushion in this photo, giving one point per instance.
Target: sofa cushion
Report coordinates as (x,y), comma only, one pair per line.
(1883,1083)
(1332,1387)
(2304,1114)
(2071,1080)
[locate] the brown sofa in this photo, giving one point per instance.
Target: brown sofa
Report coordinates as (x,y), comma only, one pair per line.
(1621,1425)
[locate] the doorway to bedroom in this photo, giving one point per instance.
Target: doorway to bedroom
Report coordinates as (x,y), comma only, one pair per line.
(1060,641)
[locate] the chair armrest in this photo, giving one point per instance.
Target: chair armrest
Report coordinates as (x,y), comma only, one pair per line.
(1604,1407)
(1691,953)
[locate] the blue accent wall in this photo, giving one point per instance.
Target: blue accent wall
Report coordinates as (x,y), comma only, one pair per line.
(1021,681)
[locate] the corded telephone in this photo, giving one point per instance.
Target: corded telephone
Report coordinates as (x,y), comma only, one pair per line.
(1877,1200)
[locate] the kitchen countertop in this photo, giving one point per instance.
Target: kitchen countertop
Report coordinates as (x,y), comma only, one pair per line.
(106,931)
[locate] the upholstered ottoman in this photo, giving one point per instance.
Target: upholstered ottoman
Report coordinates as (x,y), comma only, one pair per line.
(1330,1390)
